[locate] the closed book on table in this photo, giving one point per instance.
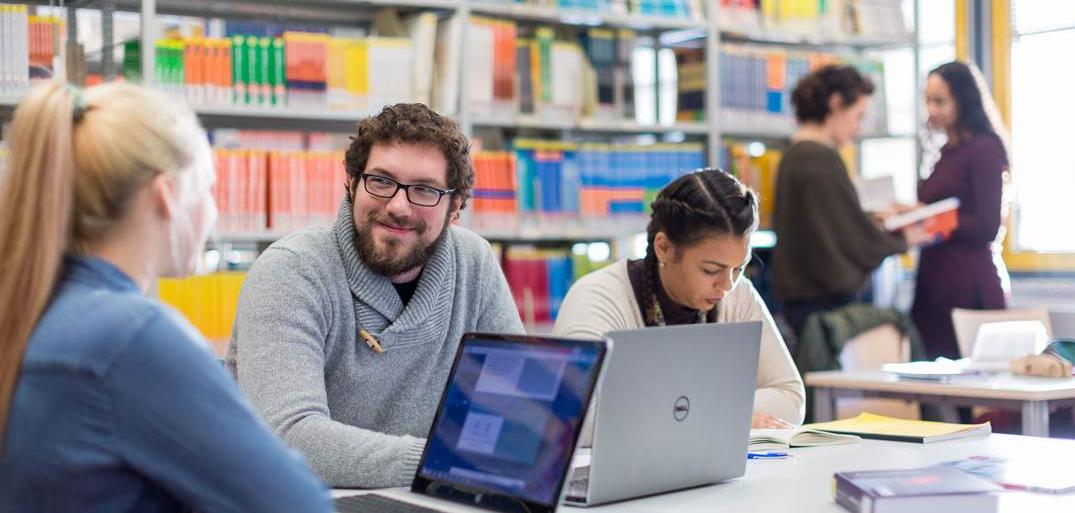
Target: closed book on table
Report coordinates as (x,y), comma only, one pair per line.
(869,425)
(924,490)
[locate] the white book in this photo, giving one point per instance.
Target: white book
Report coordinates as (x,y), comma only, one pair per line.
(921,214)
(942,370)
(480,66)
(764,439)
(390,76)
(422,29)
(876,194)
(446,68)
(567,79)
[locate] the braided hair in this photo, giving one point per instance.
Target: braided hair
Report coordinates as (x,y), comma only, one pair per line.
(696,206)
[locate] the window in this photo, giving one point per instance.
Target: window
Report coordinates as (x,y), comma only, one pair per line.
(646,63)
(903,89)
(1043,174)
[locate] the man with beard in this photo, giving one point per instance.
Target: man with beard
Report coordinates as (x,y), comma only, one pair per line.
(345,336)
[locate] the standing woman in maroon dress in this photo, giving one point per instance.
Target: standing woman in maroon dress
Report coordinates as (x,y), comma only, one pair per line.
(965,271)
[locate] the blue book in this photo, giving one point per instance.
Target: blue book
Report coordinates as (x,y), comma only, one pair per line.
(570,182)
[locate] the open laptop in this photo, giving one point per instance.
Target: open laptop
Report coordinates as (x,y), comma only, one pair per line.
(505,430)
(673,411)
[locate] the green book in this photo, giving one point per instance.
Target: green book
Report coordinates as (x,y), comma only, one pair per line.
(253,86)
(239,77)
(276,75)
(545,37)
(132,61)
(264,86)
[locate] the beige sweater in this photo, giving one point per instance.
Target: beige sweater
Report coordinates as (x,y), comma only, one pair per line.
(604,301)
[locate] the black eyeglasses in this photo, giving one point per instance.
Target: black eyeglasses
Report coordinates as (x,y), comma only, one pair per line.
(421,195)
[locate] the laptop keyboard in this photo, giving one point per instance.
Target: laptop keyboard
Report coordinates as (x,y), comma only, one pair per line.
(373,503)
(579,483)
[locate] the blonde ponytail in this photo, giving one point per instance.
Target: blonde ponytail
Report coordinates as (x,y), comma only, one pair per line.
(75,160)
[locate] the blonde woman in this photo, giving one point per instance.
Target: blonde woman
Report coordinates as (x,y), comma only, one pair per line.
(110,401)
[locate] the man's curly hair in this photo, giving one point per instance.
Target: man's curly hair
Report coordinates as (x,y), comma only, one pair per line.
(414,123)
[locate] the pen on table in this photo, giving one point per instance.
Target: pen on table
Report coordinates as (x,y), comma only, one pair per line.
(767,455)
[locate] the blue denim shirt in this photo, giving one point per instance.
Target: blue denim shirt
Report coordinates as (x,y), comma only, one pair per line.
(121,407)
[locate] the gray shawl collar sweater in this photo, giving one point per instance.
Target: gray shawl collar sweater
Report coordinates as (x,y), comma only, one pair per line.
(360,418)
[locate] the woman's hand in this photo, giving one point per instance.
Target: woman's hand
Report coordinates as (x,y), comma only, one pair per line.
(900,208)
(766,421)
(917,235)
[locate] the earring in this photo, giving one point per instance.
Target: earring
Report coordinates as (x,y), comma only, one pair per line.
(661,264)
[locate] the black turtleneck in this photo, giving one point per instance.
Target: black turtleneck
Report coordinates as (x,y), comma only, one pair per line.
(674,313)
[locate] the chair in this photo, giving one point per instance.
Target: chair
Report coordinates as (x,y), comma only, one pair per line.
(868,351)
(968,321)
(1063,323)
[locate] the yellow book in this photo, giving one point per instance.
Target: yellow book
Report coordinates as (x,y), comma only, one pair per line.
(337,77)
(869,425)
(358,77)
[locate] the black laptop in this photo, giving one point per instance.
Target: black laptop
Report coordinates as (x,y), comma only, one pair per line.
(505,430)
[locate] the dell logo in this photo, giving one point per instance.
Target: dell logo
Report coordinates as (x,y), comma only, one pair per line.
(682,408)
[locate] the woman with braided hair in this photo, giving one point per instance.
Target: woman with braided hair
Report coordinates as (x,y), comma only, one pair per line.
(699,244)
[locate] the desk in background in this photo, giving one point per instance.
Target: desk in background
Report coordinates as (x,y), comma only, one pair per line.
(1032,396)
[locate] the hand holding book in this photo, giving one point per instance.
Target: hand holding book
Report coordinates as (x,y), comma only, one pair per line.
(924,225)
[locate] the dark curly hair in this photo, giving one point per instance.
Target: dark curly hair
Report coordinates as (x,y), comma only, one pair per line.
(706,203)
(812,93)
(414,123)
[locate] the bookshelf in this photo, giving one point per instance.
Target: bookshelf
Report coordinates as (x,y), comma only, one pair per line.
(591,125)
(527,231)
(584,17)
(712,33)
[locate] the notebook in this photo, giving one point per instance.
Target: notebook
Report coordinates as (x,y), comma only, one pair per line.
(764,439)
(1028,476)
(869,425)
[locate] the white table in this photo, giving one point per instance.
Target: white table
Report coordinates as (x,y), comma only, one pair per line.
(1033,396)
(803,484)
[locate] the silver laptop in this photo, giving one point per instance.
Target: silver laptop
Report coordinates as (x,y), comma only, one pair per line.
(506,428)
(673,411)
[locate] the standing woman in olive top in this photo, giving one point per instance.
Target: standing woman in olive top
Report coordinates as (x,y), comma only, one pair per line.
(699,244)
(965,271)
(826,245)
(110,401)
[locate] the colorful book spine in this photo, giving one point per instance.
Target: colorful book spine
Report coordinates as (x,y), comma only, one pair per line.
(209,302)
(756,85)
(280,181)
(595,179)
(540,278)
(16,49)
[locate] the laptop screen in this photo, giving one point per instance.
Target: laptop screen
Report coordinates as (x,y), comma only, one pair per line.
(510,416)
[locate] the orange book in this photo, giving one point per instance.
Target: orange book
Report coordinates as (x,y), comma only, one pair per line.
(938,219)
(776,70)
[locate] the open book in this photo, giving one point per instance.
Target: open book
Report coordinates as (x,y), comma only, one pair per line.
(870,425)
(765,439)
(939,219)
